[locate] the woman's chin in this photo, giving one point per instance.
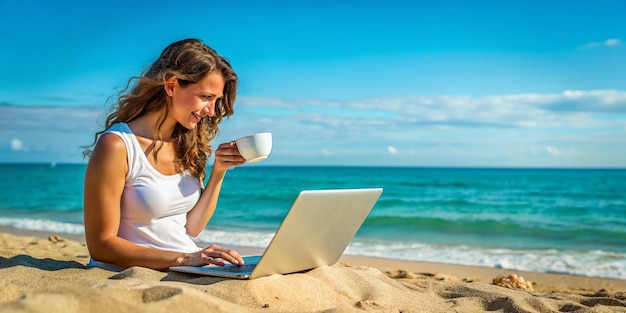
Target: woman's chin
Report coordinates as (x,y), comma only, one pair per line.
(189,125)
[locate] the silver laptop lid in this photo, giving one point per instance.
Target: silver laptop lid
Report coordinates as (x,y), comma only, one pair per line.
(317,230)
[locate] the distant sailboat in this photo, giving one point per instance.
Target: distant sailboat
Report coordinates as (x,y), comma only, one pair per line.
(53,164)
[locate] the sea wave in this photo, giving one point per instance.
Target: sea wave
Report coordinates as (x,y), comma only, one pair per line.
(43,225)
(604,264)
(595,263)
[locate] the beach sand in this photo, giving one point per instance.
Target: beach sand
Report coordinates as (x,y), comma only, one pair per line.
(44,272)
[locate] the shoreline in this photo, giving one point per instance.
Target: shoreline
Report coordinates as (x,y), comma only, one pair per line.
(46,272)
(542,282)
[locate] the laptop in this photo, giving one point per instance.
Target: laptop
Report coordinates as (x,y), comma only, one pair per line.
(315,232)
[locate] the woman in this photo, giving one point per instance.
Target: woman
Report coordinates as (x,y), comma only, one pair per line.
(144,195)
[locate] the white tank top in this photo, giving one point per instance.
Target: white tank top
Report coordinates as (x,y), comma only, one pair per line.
(154,206)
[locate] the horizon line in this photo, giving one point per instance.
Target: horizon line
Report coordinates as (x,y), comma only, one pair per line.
(53,164)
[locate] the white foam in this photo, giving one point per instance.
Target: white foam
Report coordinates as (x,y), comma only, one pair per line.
(596,263)
(43,225)
(586,263)
(255,239)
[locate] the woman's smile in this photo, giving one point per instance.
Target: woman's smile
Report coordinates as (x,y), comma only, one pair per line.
(197,117)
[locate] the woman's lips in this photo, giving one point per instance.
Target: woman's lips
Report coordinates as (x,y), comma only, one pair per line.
(196,116)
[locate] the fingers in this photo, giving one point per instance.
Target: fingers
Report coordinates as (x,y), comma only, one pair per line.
(215,254)
(227,155)
(230,144)
(214,261)
(228,150)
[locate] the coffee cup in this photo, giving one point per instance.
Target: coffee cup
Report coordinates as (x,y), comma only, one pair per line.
(255,147)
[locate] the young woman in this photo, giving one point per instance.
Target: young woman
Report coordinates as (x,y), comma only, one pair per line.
(144,196)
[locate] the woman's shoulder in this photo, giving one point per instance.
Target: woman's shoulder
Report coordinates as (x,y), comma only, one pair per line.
(113,137)
(119,128)
(111,140)
(109,153)
(111,144)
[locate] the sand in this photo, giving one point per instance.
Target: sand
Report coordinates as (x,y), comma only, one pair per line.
(46,273)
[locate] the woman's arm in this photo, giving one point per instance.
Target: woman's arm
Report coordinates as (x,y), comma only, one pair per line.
(104,182)
(226,156)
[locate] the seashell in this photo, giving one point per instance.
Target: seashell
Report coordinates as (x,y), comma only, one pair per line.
(513,281)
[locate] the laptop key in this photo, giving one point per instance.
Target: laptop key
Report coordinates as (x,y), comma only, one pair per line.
(234,269)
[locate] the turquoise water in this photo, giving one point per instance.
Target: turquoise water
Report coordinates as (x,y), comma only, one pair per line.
(546,220)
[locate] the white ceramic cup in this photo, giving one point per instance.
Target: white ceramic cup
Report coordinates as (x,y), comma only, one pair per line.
(255,147)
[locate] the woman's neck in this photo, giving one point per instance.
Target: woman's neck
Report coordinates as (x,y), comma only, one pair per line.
(146,125)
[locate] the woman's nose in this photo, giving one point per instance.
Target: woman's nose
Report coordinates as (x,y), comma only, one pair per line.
(209,110)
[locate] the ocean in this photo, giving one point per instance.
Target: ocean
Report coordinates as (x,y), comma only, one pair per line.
(569,221)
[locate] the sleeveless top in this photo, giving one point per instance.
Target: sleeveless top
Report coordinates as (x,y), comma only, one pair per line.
(154,206)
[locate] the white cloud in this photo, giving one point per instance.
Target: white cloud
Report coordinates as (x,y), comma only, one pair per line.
(47,133)
(613,42)
(17,145)
(553,151)
(432,130)
(570,108)
(50,118)
(440,129)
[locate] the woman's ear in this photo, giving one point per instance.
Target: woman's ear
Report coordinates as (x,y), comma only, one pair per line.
(169,85)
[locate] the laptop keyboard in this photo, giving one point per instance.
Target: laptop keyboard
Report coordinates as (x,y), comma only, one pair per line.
(237,269)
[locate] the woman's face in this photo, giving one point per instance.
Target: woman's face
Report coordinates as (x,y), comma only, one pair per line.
(195,101)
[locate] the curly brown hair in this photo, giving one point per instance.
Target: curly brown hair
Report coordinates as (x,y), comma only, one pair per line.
(188,60)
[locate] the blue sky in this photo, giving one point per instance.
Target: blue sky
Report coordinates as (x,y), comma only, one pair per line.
(399,83)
